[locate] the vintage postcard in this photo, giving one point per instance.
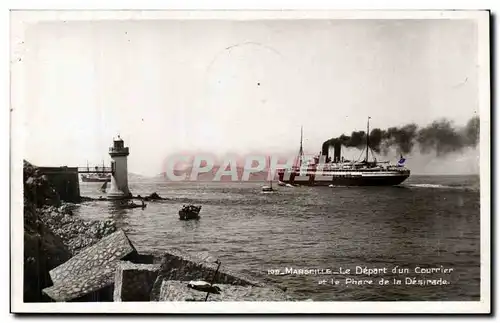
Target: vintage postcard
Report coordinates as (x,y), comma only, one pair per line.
(250,161)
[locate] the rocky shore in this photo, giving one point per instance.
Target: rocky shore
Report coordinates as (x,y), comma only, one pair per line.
(69,259)
(74,232)
(52,235)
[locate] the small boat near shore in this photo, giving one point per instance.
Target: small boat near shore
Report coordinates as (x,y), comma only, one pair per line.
(267,189)
(131,205)
(280,183)
(189,212)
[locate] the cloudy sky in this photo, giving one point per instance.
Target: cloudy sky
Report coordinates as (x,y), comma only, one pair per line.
(240,86)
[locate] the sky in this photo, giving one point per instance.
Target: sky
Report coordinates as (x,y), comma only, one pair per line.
(240,86)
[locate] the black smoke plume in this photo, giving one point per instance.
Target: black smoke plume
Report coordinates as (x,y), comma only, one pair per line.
(441,137)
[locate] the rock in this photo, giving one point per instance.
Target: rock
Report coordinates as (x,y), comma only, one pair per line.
(43,251)
(37,188)
(111,249)
(154,196)
(178,291)
(151,197)
(75,232)
(65,208)
(90,270)
(94,280)
(133,282)
(181,266)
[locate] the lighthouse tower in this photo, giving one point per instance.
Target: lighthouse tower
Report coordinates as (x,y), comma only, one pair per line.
(119,177)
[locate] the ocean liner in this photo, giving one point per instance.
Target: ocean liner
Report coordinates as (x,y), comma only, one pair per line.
(322,171)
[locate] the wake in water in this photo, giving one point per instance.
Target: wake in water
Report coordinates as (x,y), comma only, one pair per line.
(439,186)
(430,185)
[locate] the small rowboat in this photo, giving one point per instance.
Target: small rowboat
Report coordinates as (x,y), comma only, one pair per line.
(190,212)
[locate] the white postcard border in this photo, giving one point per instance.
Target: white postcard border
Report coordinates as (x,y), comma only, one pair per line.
(19,18)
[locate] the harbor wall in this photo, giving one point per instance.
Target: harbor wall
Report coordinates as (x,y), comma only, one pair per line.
(65,182)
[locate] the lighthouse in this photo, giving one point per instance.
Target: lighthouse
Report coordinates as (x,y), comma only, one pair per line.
(119,176)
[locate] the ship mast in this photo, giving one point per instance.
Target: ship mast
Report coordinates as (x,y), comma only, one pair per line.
(301,150)
(367,138)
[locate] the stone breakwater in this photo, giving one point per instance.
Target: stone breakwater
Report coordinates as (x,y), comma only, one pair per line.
(69,259)
(113,270)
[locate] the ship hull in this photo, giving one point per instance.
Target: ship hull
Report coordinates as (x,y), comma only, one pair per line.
(95,180)
(310,180)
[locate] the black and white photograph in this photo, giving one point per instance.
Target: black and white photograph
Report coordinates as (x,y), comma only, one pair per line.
(286,161)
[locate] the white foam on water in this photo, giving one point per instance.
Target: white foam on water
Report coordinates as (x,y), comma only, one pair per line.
(430,186)
(441,186)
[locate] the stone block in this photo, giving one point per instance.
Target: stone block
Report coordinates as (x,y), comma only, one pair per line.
(109,249)
(133,282)
(178,291)
(181,266)
(94,280)
(146,257)
(91,269)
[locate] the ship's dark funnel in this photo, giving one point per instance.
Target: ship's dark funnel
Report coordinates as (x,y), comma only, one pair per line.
(324,150)
(337,152)
(441,136)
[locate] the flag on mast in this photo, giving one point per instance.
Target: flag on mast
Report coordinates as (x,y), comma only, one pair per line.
(401,161)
